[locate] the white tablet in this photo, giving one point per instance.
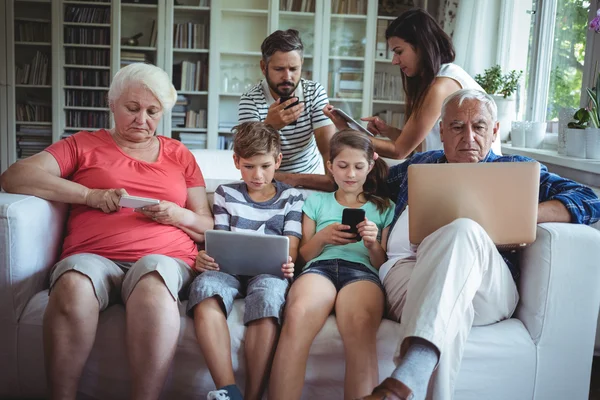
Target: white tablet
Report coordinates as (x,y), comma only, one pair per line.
(242,253)
(136,202)
(352,123)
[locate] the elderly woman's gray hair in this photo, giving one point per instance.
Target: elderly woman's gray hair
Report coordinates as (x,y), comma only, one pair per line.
(150,76)
(472,94)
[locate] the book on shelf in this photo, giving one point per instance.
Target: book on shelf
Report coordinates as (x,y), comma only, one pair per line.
(190,35)
(352,7)
(85,98)
(193,140)
(34,111)
(32,31)
(35,73)
(190,76)
(392,118)
(32,139)
(387,86)
(91,57)
(87,77)
(87,35)
(153,34)
(225,143)
(90,15)
(195,119)
(346,82)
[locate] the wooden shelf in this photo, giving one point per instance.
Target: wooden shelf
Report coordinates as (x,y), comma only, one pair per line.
(396,102)
(181,50)
(87,46)
(21,85)
(193,92)
(86,108)
(86,24)
(138,48)
(89,3)
(346,100)
(349,16)
(242,53)
(383,60)
(39,20)
(136,5)
(87,66)
(191,130)
(297,14)
(245,12)
(191,8)
(34,123)
(86,87)
(33,44)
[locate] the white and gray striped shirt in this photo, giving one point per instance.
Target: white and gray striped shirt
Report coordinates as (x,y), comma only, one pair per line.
(298,144)
(235,211)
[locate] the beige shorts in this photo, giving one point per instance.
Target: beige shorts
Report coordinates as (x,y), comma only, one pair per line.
(114,280)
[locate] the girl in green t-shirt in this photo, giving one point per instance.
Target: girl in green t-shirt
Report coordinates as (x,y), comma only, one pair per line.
(341,274)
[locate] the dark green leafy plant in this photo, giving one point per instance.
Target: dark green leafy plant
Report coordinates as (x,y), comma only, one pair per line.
(582,119)
(494,82)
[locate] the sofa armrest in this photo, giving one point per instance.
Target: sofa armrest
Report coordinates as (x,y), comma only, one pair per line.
(31,233)
(560,296)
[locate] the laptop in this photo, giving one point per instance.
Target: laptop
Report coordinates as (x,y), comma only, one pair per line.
(243,253)
(501,197)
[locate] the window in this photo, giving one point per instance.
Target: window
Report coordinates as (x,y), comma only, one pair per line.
(557,57)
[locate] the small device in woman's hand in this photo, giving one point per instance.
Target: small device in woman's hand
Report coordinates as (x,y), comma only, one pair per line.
(352,217)
(283,99)
(136,202)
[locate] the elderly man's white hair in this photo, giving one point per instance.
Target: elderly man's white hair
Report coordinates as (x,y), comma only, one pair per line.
(150,76)
(472,94)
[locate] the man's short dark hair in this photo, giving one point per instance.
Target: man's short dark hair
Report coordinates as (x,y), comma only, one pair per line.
(284,41)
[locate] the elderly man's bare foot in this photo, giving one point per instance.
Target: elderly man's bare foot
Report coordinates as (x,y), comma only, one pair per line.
(390,389)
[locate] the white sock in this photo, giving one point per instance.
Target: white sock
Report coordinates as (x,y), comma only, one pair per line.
(416,367)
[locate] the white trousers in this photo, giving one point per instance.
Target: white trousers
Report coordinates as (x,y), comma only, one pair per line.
(458,280)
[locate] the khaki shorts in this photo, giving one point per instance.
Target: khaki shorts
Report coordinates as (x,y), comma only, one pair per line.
(115,280)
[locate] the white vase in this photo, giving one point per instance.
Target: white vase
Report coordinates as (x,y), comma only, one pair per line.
(565,115)
(576,143)
(535,134)
(592,143)
(507,112)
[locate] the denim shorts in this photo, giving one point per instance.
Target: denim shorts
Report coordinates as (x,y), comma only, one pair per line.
(265,294)
(342,272)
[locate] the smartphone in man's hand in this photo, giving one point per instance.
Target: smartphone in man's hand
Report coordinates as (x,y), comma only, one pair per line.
(352,217)
(283,99)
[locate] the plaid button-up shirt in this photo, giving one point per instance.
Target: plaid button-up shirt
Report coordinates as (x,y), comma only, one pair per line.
(580,201)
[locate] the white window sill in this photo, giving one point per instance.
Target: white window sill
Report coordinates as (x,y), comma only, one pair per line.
(552,157)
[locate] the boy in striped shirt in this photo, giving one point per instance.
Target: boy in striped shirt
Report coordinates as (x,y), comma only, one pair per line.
(258,204)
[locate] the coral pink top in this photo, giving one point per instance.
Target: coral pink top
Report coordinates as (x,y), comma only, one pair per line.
(94,160)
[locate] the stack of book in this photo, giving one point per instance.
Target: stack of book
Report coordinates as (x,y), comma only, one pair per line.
(193,140)
(190,36)
(32,31)
(297,5)
(36,73)
(225,143)
(131,57)
(195,119)
(178,112)
(32,139)
(392,118)
(349,7)
(190,76)
(346,82)
(225,126)
(34,111)
(387,86)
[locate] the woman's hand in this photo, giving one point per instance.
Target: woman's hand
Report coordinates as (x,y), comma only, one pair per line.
(166,213)
(339,122)
(334,234)
(105,199)
(368,231)
(288,269)
(206,263)
(378,127)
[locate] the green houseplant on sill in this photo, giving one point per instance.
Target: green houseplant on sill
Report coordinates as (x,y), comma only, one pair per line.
(501,87)
(576,135)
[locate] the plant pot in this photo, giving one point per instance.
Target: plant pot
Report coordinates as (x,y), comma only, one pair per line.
(507,112)
(565,115)
(535,134)
(592,143)
(576,143)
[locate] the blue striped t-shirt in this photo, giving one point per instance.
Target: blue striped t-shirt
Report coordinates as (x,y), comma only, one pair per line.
(235,211)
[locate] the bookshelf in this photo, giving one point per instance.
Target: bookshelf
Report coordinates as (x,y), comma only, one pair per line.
(388,96)
(75,47)
(85,65)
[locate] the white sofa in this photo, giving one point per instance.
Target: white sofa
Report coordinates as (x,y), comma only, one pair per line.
(543,353)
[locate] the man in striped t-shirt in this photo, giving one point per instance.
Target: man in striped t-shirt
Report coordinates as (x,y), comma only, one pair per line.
(304,130)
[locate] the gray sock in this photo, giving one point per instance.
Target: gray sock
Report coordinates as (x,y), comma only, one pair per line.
(416,367)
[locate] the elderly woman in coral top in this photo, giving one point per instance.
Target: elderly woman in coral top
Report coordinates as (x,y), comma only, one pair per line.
(142,257)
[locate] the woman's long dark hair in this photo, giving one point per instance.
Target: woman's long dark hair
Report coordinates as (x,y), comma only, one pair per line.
(433,47)
(375,188)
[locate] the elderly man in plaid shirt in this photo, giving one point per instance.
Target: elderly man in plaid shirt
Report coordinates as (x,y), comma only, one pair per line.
(457,278)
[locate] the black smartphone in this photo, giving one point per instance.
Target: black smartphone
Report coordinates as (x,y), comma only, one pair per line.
(353,217)
(283,99)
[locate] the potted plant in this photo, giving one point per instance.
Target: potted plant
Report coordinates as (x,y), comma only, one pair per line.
(576,135)
(501,87)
